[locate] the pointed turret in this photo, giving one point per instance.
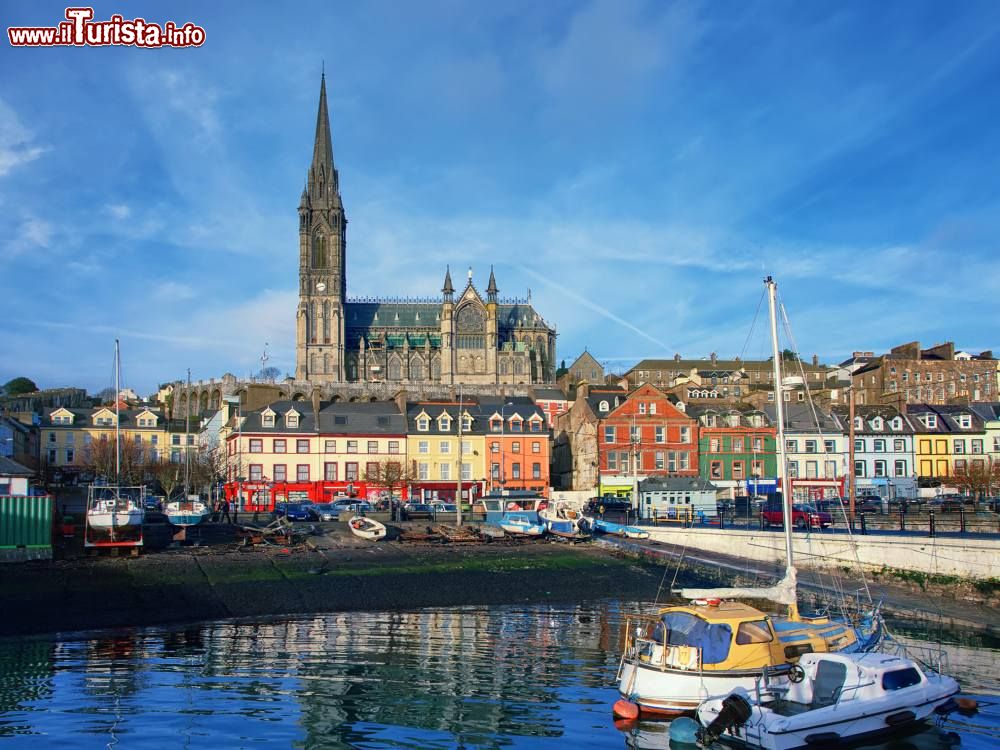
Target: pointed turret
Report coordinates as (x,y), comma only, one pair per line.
(322,183)
(448,288)
(491,289)
(322,144)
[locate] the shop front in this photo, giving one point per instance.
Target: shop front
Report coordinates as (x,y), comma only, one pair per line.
(429,492)
(261,497)
(809,490)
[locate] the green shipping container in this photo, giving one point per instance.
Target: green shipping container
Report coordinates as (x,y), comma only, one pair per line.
(25,526)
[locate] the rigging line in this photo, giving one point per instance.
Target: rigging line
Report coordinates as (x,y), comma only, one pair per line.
(812,406)
(753,325)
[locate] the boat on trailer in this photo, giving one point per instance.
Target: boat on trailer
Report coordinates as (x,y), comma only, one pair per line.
(564,521)
(185,513)
(367,528)
(830,700)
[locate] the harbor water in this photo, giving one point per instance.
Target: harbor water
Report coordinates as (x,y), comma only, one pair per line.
(535,676)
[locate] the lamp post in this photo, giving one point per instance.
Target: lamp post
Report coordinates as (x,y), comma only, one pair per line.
(458,488)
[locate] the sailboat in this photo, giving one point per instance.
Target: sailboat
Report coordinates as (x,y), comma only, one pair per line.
(712,645)
(114,513)
(190,511)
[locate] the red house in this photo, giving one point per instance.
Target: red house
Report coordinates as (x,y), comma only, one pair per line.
(646,435)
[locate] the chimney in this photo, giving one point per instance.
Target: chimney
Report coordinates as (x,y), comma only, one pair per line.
(815,360)
(400,400)
(988,354)
(907,351)
(942,351)
(714,357)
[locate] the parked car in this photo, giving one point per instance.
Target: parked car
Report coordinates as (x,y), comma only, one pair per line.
(417,510)
(444,507)
(297,511)
(610,502)
(803,516)
(326,511)
(868,504)
(352,505)
(947,504)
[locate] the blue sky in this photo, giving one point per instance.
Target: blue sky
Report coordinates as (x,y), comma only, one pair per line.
(639,166)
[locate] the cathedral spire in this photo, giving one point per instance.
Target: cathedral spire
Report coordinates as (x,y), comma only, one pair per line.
(491,289)
(322,144)
(448,289)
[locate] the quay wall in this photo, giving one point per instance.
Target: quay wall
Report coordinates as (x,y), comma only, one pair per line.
(966,558)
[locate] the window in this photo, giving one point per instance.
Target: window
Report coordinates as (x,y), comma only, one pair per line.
(175,456)
(661,434)
(330,471)
(494,447)
(423,446)
(685,435)
(792,446)
(536,471)
(880,470)
(393,447)
(69,455)
(371,470)
(444,471)
(301,446)
(714,445)
(444,447)
(535,424)
(467,447)
(930,421)
(812,470)
(737,445)
(659,460)
(738,467)
(495,471)
(715,470)
(256,445)
(603,406)
(859,468)
(256,472)
(423,471)
(612,461)
(515,470)
(444,423)
(373,446)
(898,679)
(753,632)
(977,446)
(351,471)
(635,434)
(302,473)
(268,419)
(190,439)
(642,407)
(652,407)
(536,447)
(623,461)
(859,445)
(757,468)
(292,419)
(899,445)
(964,421)
(900,468)
(810,446)
(174,439)
(758,444)
(466,472)
(516,424)
(959,447)
(496,425)
(352,446)
(515,447)
(879,446)
(280,473)
(423,424)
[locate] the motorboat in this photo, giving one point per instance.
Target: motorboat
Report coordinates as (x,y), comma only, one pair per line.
(184,513)
(522,523)
(830,700)
(600,526)
(564,521)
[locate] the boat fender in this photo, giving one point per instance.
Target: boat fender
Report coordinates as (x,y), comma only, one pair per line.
(684,731)
(624,709)
(967,706)
(734,712)
(823,738)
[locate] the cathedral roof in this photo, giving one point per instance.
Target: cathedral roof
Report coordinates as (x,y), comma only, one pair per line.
(426,316)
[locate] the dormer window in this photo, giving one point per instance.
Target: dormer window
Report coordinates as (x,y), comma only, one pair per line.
(535,423)
(496,424)
(859,423)
(602,407)
(896,424)
(268,419)
(444,423)
(292,419)
(423,423)
(466,422)
(930,420)
(516,424)
(877,424)
(964,421)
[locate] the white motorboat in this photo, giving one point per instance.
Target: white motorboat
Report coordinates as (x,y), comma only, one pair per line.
(185,513)
(366,528)
(522,523)
(830,700)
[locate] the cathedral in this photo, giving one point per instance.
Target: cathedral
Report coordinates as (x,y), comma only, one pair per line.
(460,338)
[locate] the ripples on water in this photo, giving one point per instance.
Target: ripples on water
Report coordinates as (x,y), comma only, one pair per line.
(535,676)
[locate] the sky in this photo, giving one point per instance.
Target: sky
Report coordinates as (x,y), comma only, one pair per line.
(639,166)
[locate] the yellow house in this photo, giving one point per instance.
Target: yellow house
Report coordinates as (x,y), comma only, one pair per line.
(432,446)
(949,439)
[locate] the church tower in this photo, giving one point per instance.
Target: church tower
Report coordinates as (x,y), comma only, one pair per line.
(319,327)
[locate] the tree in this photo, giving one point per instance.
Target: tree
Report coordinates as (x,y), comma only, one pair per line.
(106,396)
(976,479)
(168,474)
(270,374)
(100,457)
(19,386)
(562,369)
(388,476)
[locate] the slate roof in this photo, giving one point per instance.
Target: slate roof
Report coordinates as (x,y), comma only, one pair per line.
(480,413)
(699,411)
(126,418)
(363,418)
(676,484)
(549,394)
(426,316)
(946,418)
(988,411)
(11,468)
(799,417)
(868,412)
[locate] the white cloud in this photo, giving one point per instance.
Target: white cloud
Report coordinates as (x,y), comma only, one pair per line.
(32,233)
(118,210)
(173,291)
(16,146)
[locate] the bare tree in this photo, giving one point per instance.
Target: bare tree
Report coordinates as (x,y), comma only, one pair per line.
(388,476)
(100,457)
(167,474)
(975,479)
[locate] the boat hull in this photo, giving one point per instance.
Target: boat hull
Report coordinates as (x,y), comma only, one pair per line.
(115,519)
(523,529)
(186,513)
(366,528)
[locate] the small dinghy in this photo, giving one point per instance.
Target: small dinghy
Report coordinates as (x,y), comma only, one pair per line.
(830,700)
(601,526)
(522,524)
(366,528)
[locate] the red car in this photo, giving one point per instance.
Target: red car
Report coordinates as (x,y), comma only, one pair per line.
(803,516)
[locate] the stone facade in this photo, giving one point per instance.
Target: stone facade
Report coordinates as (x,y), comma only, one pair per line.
(910,375)
(465,339)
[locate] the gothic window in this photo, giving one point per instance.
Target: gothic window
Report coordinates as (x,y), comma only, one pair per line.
(436,367)
(315,364)
(502,367)
(395,368)
(326,322)
(326,363)
(518,366)
(416,368)
(314,332)
(319,251)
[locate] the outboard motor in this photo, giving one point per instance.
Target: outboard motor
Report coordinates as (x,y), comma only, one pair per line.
(735,712)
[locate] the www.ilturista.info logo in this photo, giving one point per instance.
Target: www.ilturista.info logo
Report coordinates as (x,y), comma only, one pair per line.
(79,30)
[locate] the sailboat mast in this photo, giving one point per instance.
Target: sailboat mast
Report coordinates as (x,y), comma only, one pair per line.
(779,404)
(187,431)
(118,429)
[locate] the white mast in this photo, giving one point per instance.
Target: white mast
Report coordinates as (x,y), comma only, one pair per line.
(187,431)
(118,390)
(779,410)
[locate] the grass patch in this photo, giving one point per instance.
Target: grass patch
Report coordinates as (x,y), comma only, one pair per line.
(986,587)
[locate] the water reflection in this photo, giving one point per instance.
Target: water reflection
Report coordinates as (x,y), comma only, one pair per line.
(536,676)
